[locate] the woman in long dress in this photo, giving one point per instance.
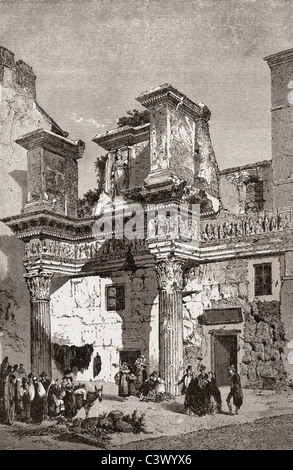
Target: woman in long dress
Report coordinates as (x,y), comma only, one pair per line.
(124,379)
(194,402)
(213,395)
(119,175)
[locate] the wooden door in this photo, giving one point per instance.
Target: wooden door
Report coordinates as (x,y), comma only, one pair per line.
(225,354)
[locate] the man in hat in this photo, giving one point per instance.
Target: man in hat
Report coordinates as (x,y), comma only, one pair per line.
(44,381)
(185,380)
(235,391)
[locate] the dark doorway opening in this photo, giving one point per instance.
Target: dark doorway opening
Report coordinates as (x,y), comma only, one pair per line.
(224,354)
(130,357)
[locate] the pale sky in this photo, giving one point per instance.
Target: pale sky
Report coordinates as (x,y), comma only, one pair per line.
(93,57)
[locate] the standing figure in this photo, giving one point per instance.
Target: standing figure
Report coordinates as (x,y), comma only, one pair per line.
(123,377)
(141,374)
(55,399)
(44,381)
(38,405)
(193,404)
(17,372)
(186,379)
(213,395)
(28,394)
(119,175)
(70,409)
(202,382)
(235,390)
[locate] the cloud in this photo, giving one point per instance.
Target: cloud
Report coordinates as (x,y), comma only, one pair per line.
(88,121)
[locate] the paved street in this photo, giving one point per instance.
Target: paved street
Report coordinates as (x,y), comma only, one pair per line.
(265,422)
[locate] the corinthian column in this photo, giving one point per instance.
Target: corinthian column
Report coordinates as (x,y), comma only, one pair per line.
(39,287)
(170,280)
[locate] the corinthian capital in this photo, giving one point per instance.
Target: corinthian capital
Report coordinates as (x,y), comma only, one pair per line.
(39,285)
(169,274)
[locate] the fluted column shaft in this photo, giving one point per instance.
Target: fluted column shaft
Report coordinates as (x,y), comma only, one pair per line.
(170,279)
(39,286)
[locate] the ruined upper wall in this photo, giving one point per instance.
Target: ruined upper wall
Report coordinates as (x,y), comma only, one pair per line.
(174,146)
(247,188)
(281,66)
(19,114)
(20,74)
(180,143)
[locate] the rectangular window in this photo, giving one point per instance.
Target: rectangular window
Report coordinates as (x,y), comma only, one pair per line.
(263,279)
(115,296)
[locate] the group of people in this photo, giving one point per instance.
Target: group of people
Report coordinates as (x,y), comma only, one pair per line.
(37,397)
(202,396)
(147,388)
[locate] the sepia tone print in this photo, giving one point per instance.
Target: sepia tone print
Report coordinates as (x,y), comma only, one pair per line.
(146,251)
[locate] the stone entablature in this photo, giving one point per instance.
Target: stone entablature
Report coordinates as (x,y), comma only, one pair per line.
(167,93)
(53,143)
(123,136)
(67,240)
(102,250)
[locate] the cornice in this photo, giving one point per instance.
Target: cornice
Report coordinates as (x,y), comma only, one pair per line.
(166,93)
(45,223)
(279,58)
(123,136)
(53,143)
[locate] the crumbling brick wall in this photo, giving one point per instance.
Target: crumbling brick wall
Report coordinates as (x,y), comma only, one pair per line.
(264,338)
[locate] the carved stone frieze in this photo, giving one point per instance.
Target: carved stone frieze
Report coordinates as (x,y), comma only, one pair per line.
(218,229)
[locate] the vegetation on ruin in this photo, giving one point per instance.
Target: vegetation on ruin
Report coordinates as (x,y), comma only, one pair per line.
(134,118)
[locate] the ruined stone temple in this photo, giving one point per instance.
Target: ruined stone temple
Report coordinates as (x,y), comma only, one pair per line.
(178,260)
